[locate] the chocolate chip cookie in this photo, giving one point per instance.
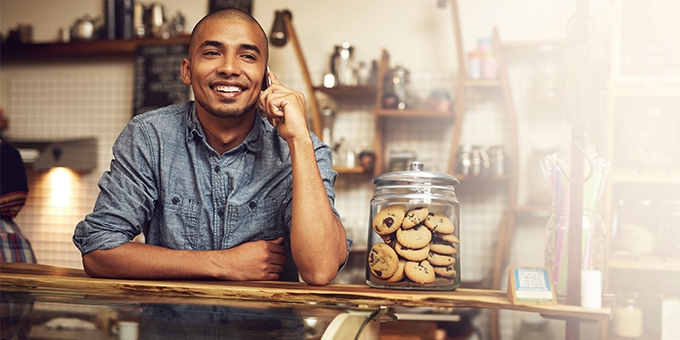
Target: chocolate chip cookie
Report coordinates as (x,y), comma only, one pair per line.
(447,272)
(414,238)
(438,222)
(441,260)
(399,274)
(419,272)
(389,219)
(412,254)
(415,217)
(383,261)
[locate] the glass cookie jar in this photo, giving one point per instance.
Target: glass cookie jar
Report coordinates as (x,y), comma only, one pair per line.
(413,231)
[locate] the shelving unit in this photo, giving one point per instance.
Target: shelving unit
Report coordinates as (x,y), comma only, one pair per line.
(490,88)
(343,93)
(643,88)
(624,178)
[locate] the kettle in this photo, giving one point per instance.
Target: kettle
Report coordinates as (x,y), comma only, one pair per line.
(341,65)
(85,28)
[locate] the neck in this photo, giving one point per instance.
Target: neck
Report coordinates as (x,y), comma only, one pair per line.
(225,133)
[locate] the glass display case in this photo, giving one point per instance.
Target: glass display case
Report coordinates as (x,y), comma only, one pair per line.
(68,315)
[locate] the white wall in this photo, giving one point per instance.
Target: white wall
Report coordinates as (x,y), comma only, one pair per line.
(416,32)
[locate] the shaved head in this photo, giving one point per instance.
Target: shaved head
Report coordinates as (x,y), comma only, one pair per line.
(230,14)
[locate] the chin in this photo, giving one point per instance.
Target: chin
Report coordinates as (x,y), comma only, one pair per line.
(230,110)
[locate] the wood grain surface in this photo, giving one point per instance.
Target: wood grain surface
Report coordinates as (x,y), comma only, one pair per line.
(42,278)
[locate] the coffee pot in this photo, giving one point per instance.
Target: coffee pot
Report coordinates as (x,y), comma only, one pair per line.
(341,65)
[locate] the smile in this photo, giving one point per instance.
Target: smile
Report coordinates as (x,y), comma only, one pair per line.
(227,89)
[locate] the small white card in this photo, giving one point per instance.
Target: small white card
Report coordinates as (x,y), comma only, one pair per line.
(530,285)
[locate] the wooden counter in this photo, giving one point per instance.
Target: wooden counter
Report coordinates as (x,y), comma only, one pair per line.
(41,278)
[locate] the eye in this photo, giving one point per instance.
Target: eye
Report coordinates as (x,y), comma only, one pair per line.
(249,56)
(210,53)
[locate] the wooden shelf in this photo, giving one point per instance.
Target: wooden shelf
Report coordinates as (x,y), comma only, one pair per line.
(533,211)
(643,262)
(363,93)
(353,170)
(482,83)
(619,175)
(81,49)
(485,178)
(411,113)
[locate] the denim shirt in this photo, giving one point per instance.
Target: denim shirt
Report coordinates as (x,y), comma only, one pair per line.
(167,182)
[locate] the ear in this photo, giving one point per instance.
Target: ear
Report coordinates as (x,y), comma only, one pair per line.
(185,71)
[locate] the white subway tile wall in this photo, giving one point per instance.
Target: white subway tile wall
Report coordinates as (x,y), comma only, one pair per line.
(65,106)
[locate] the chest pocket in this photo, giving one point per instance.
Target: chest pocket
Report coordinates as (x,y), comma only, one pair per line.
(179,227)
(259,220)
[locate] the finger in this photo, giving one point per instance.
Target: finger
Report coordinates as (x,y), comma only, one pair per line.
(277,240)
(278,253)
(274,78)
(276,270)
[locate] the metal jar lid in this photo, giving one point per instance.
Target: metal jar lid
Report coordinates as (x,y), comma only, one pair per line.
(415,175)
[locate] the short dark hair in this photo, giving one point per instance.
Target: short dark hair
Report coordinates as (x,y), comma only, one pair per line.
(230,13)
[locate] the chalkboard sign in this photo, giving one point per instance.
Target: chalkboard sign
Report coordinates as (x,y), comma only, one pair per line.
(157,77)
(648,43)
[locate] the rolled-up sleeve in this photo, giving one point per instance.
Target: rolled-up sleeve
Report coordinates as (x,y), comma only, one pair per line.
(127,194)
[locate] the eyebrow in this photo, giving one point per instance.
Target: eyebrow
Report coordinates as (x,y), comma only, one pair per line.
(215,43)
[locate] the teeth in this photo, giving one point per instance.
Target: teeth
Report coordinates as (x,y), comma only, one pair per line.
(227,89)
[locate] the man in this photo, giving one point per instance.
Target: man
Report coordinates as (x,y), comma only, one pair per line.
(218,191)
(15,311)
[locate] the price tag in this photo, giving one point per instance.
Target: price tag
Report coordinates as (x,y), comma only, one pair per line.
(531,285)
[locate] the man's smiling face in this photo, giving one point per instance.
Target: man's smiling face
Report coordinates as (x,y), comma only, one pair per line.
(226,65)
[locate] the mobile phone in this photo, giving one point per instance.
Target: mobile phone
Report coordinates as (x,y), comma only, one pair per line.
(266,81)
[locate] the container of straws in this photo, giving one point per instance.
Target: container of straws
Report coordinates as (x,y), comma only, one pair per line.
(593,245)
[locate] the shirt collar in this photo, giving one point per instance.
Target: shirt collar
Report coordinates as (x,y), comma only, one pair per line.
(251,143)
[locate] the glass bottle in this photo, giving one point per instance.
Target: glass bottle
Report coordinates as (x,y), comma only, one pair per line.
(628,318)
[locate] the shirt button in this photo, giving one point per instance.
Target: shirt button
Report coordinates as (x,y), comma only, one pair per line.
(252,205)
(220,212)
(217,168)
(175,200)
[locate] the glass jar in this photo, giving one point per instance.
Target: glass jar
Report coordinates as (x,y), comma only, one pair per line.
(628,319)
(413,231)
(593,247)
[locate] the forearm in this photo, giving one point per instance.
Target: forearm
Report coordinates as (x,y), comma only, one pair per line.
(318,239)
(135,260)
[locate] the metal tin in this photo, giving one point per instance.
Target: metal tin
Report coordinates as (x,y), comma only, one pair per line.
(423,235)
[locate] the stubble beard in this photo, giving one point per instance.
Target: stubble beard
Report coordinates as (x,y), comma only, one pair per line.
(227,112)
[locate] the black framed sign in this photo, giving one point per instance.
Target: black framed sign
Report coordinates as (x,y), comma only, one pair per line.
(244,5)
(158,81)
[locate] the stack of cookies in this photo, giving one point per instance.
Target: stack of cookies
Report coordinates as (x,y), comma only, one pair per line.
(419,246)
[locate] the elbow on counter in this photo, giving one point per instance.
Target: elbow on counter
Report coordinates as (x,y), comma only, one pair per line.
(318,278)
(92,267)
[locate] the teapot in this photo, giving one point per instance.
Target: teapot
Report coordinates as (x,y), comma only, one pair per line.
(85,28)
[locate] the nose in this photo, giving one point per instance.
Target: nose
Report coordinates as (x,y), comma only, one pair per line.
(229,66)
